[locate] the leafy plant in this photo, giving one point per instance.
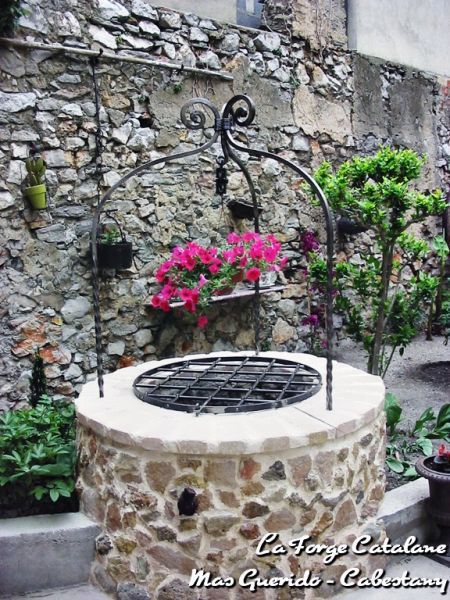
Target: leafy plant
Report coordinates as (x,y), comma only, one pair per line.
(441,251)
(110,235)
(37,452)
(393,412)
(445,319)
(441,461)
(403,444)
(38,382)
(382,307)
(9,15)
(177,88)
(35,166)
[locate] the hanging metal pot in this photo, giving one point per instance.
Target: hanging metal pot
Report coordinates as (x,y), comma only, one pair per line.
(115,256)
(113,250)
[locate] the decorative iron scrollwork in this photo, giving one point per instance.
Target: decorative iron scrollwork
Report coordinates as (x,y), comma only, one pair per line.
(195,118)
(241,115)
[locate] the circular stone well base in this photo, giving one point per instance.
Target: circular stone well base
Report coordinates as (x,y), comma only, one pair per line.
(294,471)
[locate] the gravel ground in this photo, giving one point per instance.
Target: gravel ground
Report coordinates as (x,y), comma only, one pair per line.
(410,377)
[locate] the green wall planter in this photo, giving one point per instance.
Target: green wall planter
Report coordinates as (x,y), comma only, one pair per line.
(36,195)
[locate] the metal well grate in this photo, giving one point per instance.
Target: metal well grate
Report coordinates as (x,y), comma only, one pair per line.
(227,384)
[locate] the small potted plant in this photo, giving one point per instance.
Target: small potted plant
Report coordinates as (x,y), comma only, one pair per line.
(437,470)
(35,189)
(113,250)
(194,274)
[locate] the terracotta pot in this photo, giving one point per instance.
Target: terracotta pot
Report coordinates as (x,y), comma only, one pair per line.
(115,256)
(238,277)
(223,291)
(438,505)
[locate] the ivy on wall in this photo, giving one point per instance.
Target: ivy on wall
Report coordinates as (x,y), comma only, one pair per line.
(10,13)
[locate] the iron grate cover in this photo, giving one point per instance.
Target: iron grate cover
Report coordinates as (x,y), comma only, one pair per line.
(227,384)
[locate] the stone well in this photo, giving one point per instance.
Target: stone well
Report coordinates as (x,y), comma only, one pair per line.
(297,470)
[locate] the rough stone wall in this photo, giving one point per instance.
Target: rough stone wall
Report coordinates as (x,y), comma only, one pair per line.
(314,99)
(328,491)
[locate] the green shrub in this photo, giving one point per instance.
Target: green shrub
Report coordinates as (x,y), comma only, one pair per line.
(37,453)
(383,309)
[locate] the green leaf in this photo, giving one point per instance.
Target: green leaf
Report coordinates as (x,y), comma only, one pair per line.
(54,495)
(427,416)
(395,465)
(393,411)
(443,417)
(39,492)
(411,472)
(426,446)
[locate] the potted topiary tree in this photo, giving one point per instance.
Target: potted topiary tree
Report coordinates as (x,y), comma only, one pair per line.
(437,470)
(36,191)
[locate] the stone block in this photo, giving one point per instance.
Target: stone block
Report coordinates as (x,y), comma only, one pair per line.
(316,115)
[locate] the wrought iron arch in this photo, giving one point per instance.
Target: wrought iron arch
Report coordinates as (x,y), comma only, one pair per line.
(238,111)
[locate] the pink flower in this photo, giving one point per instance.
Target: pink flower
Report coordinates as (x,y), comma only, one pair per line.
(233,238)
(206,256)
(250,236)
(309,242)
(188,262)
(256,251)
(190,306)
(165,306)
(189,295)
(202,321)
(202,281)
(312,320)
(162,271)
(185,294)
(270,254)
(214,267)
(167,292)
(155,301)
(229,256)
(253,274)
(243,261)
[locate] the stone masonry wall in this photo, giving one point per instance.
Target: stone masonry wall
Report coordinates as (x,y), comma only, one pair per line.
(329,491)
(315,101)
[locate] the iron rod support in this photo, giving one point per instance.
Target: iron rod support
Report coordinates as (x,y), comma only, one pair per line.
(114,56)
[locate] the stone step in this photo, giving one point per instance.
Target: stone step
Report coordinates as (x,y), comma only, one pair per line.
(44,552)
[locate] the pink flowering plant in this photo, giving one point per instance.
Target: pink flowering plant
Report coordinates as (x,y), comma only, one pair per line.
(441,461)
(194,273)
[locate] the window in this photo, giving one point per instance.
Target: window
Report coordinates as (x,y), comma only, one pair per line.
(242,12)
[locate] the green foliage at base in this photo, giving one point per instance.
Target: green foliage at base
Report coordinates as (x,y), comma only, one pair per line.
(404,444)
(37,452)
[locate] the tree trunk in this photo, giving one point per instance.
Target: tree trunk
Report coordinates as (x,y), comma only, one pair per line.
(374,366)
